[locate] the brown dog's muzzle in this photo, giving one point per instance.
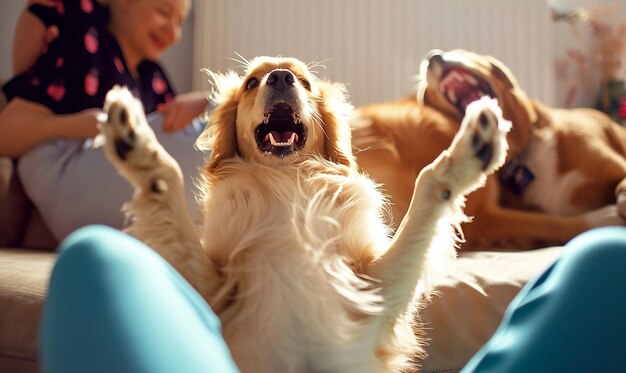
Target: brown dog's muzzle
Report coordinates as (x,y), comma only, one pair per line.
(282,132)
(460,85)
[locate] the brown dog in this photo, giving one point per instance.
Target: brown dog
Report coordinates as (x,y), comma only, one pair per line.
(565,172)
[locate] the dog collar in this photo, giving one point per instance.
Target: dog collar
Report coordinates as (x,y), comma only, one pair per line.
(516,175)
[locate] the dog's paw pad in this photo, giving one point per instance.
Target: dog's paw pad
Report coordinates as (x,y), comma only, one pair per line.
(477,150)
(482,142)
(124,145)
(158,186)
(123,113)
(123,117)
(487,128)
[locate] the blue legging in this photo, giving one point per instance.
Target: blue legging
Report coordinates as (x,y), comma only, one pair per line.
(115,306)
(572,318)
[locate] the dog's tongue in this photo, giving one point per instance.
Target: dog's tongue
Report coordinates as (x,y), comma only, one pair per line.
(468,98)
(459,82)
(283,136)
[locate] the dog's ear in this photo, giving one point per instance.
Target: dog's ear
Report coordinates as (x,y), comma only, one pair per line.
(335,112)
(515,104)
(220,136)
(502,73)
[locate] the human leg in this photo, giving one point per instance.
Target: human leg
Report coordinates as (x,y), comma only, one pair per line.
(73,185)
(116,306)
(569,319)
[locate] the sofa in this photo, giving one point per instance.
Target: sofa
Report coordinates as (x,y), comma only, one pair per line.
(466,308)
(26,258)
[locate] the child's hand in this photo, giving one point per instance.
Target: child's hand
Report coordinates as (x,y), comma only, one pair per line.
(179,112)
(86,124)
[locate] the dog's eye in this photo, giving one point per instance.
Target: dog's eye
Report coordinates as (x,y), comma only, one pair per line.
(252,83)
(305,83)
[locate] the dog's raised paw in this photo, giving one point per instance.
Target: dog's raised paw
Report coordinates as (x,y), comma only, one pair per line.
(118,127)
(130,143)
(482,142)
(487,129)
(480,146)
(125,129)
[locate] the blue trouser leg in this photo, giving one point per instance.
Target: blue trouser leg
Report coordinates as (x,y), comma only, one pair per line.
(114,305)
(570,319)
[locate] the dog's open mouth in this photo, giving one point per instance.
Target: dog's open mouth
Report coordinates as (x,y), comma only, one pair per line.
(281,133)
(462,87)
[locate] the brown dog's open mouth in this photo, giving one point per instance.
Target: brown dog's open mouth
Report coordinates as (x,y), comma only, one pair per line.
(462,87)
(281,133)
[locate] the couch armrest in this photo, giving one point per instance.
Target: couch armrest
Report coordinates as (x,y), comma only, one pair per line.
(15,207)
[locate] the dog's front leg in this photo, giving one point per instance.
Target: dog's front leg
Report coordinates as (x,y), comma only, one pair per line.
(478,149)
(158,212)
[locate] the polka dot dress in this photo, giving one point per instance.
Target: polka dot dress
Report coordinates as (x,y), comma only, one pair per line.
(79,67)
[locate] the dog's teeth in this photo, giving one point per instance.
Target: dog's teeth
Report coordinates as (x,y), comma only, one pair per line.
(471,80)
(452,97)
(292,139)
(481,93)
(454,75)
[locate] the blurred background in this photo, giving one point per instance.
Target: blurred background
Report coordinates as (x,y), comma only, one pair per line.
(561,51)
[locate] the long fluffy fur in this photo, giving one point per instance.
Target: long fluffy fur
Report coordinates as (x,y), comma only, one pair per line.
(294,255)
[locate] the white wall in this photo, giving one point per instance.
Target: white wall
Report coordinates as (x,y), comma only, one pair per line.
(375,47)
(177,60)
(9,11)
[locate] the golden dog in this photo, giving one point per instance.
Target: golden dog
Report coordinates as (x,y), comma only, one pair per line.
(565,171)
(294,255)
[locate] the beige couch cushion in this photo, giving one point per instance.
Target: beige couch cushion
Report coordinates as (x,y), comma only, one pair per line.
(469,307)
(472,299)
(24,278)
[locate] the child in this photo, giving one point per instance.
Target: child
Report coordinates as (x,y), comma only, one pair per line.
(54,105)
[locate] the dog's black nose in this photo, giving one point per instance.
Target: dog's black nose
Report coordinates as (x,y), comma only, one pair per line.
(434,58)
(281,79)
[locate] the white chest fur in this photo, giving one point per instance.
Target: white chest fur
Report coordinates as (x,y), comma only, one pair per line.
(285,243)
(550,190)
